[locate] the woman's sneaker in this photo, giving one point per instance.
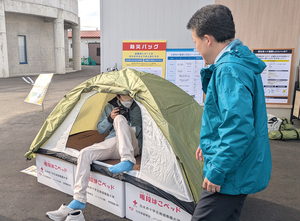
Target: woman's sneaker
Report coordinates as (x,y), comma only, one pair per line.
(75,215)
(60,214)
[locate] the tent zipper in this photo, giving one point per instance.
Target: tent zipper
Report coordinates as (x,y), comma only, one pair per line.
(186,177)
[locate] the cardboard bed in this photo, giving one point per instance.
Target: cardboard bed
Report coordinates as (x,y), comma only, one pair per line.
(88,138)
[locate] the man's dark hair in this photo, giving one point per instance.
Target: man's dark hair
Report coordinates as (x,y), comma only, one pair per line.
(215,20)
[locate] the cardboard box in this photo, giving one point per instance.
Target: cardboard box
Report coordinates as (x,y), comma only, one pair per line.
(146,206)
(106,193)
(55,173)
(103,191)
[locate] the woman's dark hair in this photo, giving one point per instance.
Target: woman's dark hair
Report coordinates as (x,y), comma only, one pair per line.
(215,20)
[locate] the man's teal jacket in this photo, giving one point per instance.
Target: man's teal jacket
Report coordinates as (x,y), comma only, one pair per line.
(234,134)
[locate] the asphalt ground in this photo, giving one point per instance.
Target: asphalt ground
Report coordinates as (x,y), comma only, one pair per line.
(24,199)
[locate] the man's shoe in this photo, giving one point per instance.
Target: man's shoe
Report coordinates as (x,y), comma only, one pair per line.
(60,214)
(75,215)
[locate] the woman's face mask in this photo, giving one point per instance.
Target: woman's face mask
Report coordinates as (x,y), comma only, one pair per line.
(127,104)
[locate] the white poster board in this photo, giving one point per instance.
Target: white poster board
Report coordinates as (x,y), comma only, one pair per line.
(183,66)
(276,76)
(39,89)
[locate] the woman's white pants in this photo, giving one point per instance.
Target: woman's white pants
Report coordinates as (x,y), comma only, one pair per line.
(124,147)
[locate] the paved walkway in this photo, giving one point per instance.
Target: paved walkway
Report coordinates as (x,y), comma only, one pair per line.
(24,199)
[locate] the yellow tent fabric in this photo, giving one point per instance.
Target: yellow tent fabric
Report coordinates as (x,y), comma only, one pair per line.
(89,115)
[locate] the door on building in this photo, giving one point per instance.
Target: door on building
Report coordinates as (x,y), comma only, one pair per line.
(94,52)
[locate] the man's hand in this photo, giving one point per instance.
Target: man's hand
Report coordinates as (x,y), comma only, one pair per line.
(199,155)
(114,113)
(210,186)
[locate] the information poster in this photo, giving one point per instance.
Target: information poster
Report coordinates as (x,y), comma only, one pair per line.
(39,89)
(183,68)
(276,76)
(147,56)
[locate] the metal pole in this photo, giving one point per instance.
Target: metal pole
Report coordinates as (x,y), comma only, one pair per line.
(43,110)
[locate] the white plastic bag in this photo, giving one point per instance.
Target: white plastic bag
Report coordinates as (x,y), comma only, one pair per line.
(273,123)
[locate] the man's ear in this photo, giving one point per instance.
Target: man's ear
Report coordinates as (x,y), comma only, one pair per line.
(209,39)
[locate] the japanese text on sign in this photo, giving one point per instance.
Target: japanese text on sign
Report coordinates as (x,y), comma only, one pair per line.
(144,46)
(54,166)
(155,211)
(152,200)
(276,76)
(146,56)
(100,183)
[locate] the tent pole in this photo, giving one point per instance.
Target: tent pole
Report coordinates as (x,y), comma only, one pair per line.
(43,110)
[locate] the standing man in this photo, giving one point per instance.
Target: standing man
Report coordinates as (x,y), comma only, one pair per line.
(122,118)
(234,140)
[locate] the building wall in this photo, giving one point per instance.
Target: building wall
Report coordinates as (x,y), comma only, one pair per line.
(144,20)
(43,22)
(85,45)
(84,42)
(93,52)
(269,24)
(259,24)
(45,8)
(4,71)
(39,44)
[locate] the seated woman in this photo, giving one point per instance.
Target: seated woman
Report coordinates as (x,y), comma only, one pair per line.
(121,117)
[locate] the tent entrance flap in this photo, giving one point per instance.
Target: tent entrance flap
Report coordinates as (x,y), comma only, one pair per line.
(90,112)
(57,142)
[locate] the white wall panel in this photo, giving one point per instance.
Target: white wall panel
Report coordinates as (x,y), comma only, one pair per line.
(144,20)
(39,44)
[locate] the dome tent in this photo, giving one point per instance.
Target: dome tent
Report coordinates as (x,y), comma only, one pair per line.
(171,128)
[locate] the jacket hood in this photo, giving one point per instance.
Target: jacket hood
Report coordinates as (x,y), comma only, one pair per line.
(242,55)
(236,53)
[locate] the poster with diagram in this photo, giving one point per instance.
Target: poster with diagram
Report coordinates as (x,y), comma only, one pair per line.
(277,74)
(183,66)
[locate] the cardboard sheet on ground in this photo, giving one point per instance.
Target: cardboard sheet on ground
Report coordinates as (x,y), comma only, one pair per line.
(30,170)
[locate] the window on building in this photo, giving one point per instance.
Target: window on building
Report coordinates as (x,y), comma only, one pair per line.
(22,49)
(98,51)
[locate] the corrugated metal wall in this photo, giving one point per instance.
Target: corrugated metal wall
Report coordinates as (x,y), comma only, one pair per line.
(144,20)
